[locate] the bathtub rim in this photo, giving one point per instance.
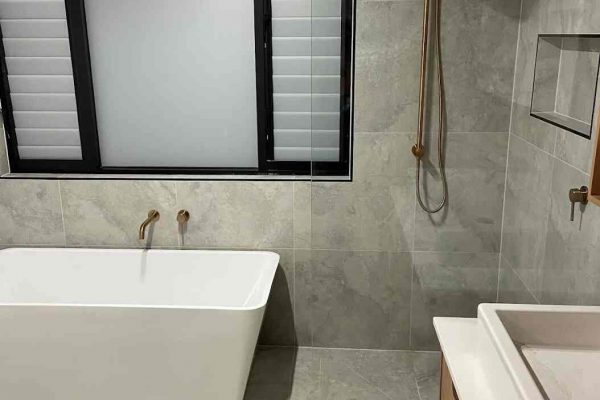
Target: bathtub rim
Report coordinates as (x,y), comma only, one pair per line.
(260,305)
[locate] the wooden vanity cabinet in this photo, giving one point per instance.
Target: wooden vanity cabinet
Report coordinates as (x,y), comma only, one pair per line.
(595,173)
(447,391)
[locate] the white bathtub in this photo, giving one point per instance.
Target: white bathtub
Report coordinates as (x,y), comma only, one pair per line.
(79,324)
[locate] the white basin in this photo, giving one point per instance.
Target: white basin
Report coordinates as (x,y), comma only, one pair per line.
(130,324)
(524,352)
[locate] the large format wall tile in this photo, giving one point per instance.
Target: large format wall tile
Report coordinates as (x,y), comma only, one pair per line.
(479,42)
(353,299)
(554,258)
(363,215)
(476,173)
(238,214)
(109,213)
(376,211)
(302,215)
(511,288)
(387,69)
(388,57)
(571,274)
(574,150)
(449,284)
(383,157)
(526,209)
(30,213)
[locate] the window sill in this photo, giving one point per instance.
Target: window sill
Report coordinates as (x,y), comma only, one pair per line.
(163,177)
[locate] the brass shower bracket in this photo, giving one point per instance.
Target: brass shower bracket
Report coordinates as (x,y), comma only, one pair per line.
(418,151)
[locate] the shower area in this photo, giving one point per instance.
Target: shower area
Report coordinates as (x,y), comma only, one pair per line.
(372,265)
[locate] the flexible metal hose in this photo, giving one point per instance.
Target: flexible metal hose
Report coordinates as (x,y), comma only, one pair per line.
(442,116)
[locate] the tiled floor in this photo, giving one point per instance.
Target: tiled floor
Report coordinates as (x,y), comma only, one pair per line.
(281,373)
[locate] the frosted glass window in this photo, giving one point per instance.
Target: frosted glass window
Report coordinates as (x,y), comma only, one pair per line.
(174,82)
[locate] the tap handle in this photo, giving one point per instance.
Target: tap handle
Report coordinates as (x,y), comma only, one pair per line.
(577,196)
(183,216)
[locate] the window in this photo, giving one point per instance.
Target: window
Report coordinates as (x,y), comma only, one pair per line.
(186,87)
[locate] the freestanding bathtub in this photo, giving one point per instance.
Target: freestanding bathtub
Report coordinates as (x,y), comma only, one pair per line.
(83,324)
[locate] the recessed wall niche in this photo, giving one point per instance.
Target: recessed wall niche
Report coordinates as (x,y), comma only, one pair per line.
(566,81)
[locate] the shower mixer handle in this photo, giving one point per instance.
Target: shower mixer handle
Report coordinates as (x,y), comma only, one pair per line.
(577,196)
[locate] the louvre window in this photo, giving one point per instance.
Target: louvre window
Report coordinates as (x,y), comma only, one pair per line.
(187,87)
(306,80)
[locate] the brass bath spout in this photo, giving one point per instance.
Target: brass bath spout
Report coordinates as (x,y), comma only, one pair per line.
(153,216)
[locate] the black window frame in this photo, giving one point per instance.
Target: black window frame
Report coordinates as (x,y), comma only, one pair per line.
(86,109)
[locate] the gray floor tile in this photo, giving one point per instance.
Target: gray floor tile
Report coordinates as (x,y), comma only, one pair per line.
(286,373)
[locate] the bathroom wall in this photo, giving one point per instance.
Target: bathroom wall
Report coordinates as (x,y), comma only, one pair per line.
(362,266)
(545,257)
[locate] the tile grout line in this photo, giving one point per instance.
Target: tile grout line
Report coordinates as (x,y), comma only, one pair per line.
(511,266)
(417,386)
(405,133)
(350,349)
(550,154)
(410,302)
(62,212)
(543,256)
(268,248)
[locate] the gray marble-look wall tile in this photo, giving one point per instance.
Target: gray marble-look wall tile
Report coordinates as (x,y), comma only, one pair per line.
(109,213)
(30,213)
(278,327)
(574,150)
(449,284)
(353,299)
(571,274)
(386,77)
(552,256)
(238,214)
(302,215)
(472,220)
(526,209)
(383,157)
(479,40)
(387,64)
(511,288)
(363,215)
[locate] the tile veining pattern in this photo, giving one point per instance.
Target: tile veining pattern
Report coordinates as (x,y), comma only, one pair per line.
(362,266)
(545,257)
(281,373)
